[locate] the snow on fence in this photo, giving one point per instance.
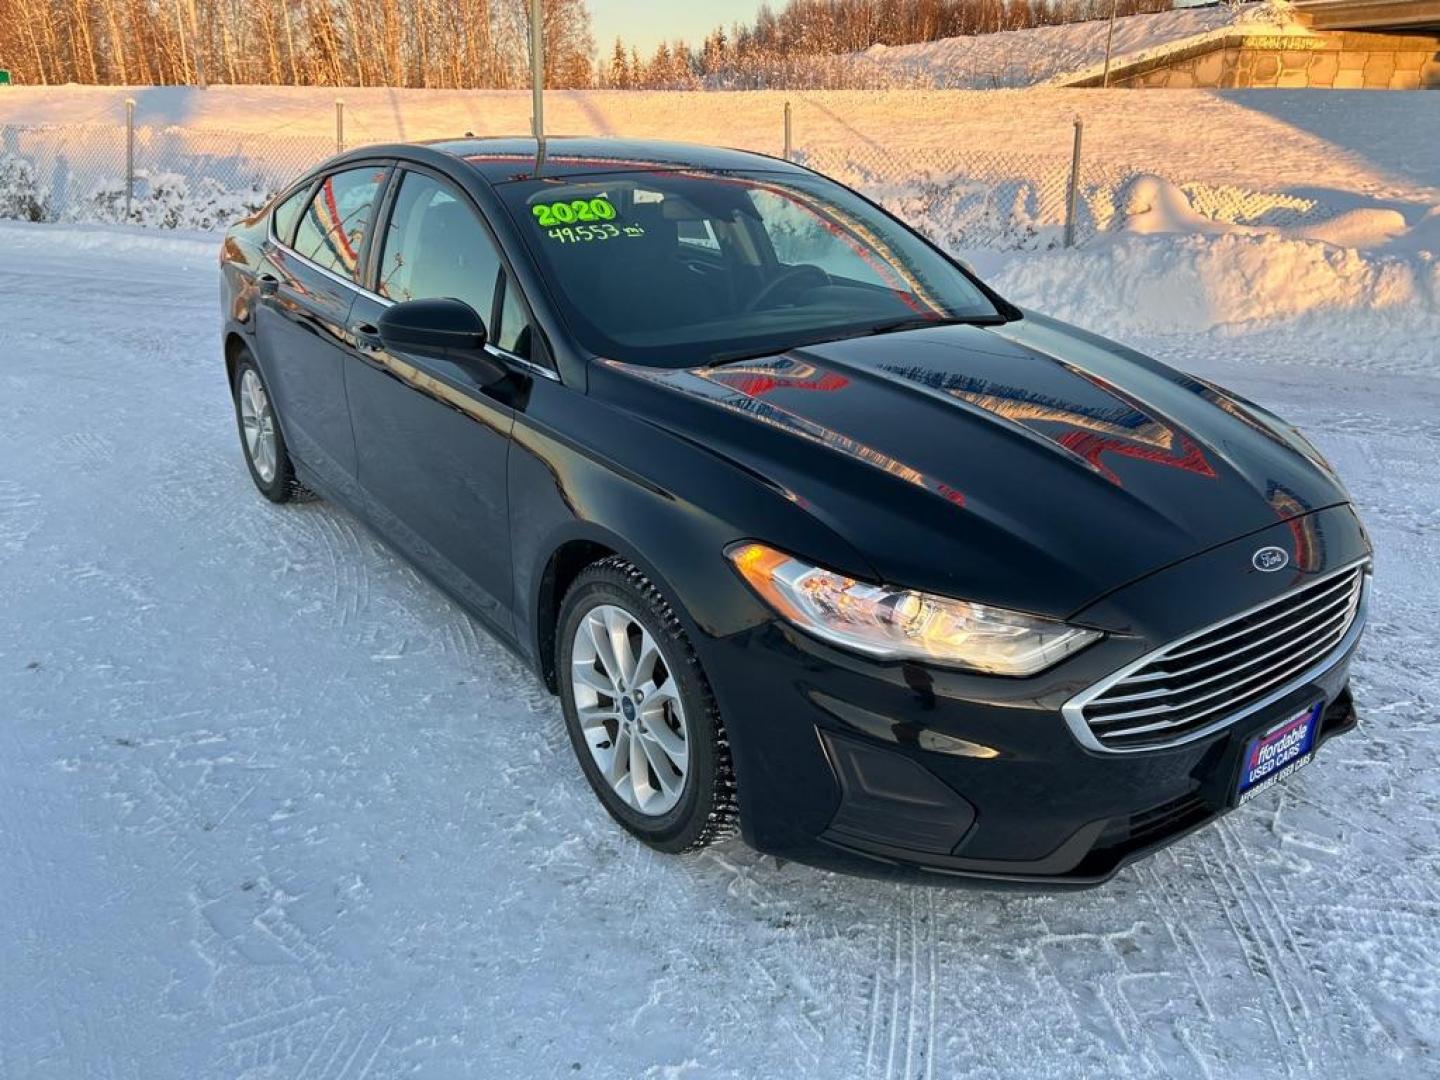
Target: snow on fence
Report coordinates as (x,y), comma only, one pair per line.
(967,199)
(184,178)
(202,179)
(178,178)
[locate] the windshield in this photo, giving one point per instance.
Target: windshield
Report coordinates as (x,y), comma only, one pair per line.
(679,269)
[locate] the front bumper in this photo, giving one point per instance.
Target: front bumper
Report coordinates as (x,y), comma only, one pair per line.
(904,770)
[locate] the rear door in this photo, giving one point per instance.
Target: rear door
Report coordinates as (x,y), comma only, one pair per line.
(301,325)
(431,441)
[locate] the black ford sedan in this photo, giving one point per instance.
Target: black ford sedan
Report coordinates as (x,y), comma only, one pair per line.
(813,534)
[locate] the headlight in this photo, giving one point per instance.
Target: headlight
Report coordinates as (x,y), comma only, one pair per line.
(904,624)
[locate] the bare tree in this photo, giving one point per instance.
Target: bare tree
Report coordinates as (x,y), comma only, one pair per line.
(478,43)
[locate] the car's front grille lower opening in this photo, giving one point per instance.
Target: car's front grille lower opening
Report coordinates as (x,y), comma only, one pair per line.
(1127,834)
(1201,679)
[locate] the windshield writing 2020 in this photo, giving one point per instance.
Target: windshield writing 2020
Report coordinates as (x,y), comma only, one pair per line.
(578,221)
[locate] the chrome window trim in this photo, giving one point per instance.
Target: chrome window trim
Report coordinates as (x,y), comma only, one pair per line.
(385,301)
(340,279)
(1074,710)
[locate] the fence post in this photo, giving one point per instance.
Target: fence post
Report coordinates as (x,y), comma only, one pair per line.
(1072,198)
(339,125)
(1109,44)
(787,131)
(129,155)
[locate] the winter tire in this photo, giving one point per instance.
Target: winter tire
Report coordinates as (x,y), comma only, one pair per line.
(260,437)
(640,713)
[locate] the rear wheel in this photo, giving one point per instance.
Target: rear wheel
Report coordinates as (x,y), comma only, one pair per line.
(260,435)
(640,713)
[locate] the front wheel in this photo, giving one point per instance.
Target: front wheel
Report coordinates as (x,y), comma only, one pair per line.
(640,713)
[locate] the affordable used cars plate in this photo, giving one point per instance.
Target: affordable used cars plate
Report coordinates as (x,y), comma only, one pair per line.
(1277,752)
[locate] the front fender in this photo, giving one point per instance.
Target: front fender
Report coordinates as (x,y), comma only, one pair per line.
(583,470)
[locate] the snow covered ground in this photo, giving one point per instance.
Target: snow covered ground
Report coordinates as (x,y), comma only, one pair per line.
(270,806)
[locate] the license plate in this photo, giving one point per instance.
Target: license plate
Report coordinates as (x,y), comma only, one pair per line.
(1277,752)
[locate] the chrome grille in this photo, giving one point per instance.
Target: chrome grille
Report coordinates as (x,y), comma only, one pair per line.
(1218,674)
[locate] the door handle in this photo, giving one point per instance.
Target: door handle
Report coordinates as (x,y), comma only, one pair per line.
(269,284)
(367,337)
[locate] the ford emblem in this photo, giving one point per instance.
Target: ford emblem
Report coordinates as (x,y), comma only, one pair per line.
(1269,559)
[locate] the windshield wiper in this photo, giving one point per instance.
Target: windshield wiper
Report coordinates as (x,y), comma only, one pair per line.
(775,350)
(919,322)
(894,326)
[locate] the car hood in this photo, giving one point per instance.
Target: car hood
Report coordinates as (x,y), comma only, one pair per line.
(1029,465)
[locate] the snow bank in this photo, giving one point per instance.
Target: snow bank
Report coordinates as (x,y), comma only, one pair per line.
(187,247)
(1143,285)
(1016,58)
(1152,204)
(967,201)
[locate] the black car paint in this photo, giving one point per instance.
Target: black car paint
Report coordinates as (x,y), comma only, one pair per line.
(1031,465)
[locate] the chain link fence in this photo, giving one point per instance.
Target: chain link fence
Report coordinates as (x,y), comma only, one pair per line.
(193,178)
(162,177)
(966,199)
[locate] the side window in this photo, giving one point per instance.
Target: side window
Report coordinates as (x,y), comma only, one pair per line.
(333,229)
(288,213)
(435,246)
(514,332)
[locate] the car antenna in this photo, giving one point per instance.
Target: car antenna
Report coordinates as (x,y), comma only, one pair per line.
(537,82)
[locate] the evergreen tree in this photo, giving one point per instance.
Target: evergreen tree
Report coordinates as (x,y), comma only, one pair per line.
(620,67)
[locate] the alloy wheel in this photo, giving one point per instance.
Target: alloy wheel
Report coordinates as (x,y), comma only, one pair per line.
(630,710)
(257,420)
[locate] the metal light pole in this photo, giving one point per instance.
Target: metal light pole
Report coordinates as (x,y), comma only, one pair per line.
(1072,190)
(1109,42)
(537,75)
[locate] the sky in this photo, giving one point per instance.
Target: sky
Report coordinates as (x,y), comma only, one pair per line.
(645,23)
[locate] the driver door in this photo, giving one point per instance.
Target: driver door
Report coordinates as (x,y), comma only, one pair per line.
(431,442)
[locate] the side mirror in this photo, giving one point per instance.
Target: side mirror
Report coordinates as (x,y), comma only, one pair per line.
(445,329)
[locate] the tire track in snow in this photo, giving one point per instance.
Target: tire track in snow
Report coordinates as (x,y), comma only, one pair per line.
(21,514)
(1229,902)
(1261,927)
(1284,949)
(1403,1007)
(904,987)
(1177,915)
(294,941)
(170,816)
(350,579)
(86,448)
(932,974)
(353,1050)
(271,1038)
(322,1043)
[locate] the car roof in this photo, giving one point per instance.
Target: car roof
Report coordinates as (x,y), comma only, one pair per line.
(503,159)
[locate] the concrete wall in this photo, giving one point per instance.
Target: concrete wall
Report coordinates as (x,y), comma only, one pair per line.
(1334,59)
